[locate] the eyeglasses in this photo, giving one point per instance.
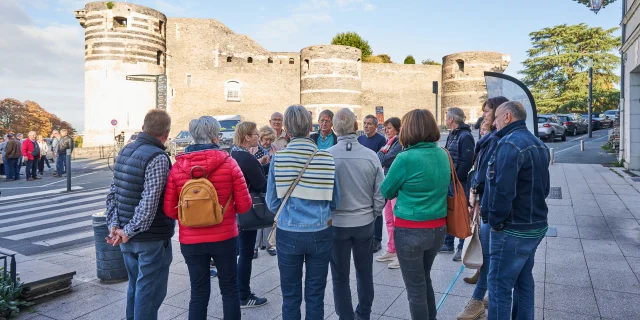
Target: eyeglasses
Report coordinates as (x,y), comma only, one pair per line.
(325,121)
(276,120)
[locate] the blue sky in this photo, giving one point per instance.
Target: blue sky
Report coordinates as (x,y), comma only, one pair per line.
(43,55)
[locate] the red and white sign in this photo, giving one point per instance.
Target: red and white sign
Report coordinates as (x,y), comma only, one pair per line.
(114,122)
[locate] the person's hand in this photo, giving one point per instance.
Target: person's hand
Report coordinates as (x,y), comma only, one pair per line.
(265,160)
(124,238)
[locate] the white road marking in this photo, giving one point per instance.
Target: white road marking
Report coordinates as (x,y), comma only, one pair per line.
(66,204)
(65,197)
(42,232)
(577,145)
(71,237)
(34,194)
(96,206)
(47,221)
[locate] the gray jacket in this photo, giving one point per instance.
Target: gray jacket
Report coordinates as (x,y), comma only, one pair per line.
(360,174)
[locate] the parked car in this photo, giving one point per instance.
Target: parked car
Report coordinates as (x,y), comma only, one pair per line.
(605,121)
(574,123)
(612,114)
(133,137)
(550,127)
(180,142)
(595,121)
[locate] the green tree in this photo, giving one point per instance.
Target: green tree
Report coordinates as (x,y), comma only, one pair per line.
(431,62)
(409,60)
(352,39)
(556,70)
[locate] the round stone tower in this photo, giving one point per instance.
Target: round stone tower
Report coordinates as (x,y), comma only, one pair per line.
(330,78)
(463,80)
(121,39)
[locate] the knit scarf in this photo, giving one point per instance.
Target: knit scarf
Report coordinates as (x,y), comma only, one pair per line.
(317,181)
(386,148)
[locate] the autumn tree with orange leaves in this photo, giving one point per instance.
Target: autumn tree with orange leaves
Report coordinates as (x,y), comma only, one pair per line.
(22,117)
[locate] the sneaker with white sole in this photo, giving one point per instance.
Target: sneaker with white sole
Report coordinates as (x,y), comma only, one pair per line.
(474,310)
(252,301)
(387,256)
(395,264)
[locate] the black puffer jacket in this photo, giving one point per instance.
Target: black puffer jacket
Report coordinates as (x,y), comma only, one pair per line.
(460,144)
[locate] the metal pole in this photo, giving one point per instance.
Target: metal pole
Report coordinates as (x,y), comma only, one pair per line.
(581,145)
(437,111)
(552,153)
(590,102)
(68,170)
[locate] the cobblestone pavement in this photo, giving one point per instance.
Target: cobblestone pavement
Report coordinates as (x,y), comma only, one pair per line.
(589,271)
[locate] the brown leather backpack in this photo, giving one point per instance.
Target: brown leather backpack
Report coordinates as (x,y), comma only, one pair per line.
(198,205)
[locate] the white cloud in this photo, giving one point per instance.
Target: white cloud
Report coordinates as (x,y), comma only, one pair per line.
(350,4)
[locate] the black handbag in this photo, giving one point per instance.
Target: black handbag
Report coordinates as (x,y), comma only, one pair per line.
(258,217)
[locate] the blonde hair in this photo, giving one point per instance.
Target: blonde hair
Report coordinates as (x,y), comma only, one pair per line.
(267,132)
(39,137)
(243,129)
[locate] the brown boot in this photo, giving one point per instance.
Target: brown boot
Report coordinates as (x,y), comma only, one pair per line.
(473,279)
(474,310)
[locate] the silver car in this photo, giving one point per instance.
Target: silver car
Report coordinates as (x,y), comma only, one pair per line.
(551,127)
(180,142)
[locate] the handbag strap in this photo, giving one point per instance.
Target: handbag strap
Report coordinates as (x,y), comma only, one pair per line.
(293,186)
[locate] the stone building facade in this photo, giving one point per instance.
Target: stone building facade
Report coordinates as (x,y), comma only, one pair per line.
(630,85)
(211,70)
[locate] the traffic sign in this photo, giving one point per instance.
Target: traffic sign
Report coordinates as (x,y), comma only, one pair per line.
(114,122)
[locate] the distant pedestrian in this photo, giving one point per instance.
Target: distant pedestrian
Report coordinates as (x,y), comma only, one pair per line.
(20,138)
(282,137)
(44,149)
(515,191)
(360,175)
(419,178)
(64,145)
(460,145)
(220,241)
(387,155)
(136,217)
(325,138)
(3,144)
(305,235)
(12,153)
(31,151)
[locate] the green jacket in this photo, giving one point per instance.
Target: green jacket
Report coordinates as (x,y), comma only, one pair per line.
(419,178)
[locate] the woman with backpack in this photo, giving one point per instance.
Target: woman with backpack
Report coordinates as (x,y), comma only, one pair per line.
(246,136)
(217,239)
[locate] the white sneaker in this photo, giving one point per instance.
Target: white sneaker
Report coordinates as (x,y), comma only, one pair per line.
(387,256)
(395,264)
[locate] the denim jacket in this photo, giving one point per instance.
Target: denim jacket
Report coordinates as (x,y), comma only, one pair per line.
(484,151)
(301,215)
(518,180)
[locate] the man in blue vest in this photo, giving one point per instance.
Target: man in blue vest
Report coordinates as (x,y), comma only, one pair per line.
(136,219)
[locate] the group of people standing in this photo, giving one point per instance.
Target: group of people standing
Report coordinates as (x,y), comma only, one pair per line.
(330,190)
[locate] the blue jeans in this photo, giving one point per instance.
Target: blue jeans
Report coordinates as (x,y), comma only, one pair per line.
(198,257)
(449,241)
(416,250)
(295,250)
(481,285)
(147,264)
(60,162)
(13,171)
(510,268)
(358,239)
(246,243)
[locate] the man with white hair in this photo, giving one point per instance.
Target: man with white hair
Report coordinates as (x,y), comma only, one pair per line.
(282,137)
(460,145)
(31,151)
(360,174)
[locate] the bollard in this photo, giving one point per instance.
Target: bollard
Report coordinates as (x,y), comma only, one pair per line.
(551,150)
(109,262)
(68,169)
(582,145)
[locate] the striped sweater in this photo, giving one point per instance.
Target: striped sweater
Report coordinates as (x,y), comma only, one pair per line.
(317,181)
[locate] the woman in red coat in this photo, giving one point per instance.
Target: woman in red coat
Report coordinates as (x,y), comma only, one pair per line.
(200,245)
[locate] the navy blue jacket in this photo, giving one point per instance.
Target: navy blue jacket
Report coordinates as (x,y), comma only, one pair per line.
(460,145)
(518,180)
(484,150)
(374,143)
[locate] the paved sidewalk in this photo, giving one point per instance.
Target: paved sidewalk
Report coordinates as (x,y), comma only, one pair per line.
(589,271)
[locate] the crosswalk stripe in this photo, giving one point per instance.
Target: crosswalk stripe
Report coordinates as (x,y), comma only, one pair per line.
(71,237)
(47,221)
(64,197)
(42,232)
(53,205)
(95,206)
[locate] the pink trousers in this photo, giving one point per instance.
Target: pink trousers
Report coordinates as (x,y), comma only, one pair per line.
(390,222)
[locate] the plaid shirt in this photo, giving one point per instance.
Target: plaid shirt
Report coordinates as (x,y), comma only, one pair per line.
(155,179)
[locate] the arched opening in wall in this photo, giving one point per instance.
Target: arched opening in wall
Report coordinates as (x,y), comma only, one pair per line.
(249,60)
(270,60)
(229,59)
(292,61)
(160,25)
(159,58)
(232,90)
(306,66)
(119,22)
(188,80)
(460,63)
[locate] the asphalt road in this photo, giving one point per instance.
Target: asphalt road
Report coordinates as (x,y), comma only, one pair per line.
(569,151)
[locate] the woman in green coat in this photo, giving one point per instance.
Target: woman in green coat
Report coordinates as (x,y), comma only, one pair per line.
(419,178)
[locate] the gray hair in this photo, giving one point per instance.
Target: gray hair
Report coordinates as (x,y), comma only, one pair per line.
(157,123)
(457,114)
(297,121)
(276,114)
(344,122)
(516,109)
(327,113)
(372,117)
(204,129)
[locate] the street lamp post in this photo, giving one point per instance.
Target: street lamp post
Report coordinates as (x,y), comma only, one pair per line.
(590,65)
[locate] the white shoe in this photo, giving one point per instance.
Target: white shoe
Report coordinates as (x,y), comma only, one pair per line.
(387,256)
(395,264)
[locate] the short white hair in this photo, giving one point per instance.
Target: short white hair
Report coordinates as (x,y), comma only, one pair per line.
(456,114)
(204,129)
(344,122)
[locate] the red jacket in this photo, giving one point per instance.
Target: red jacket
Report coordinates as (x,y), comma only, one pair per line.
(226,177)
(27,149)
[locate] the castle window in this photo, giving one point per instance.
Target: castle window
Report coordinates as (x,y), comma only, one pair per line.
(270,60)
(232,91)
(159,58)
(460,65)
(119,22)
(306,66)
(160,25)
(249,60)
(188,80)
(292,61)
(229,59)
